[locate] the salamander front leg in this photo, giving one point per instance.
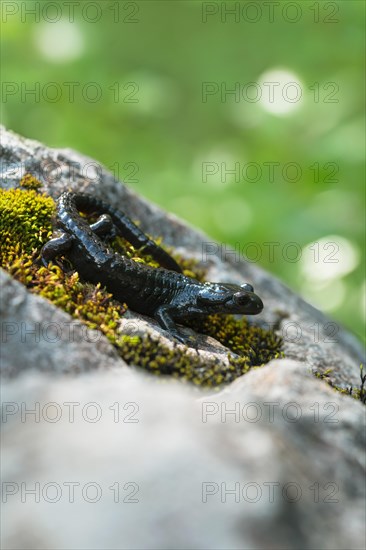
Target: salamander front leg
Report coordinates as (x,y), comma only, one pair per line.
(55,247)
(163,316)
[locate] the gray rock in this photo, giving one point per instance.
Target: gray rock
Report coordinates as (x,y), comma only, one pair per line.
(289,315)
(36,334)
(275,461)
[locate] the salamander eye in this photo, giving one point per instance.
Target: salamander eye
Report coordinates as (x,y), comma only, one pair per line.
(241,298)
(247,287)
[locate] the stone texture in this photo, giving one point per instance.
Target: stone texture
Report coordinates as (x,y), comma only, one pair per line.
(295,466)
(292,317)
(292,448)
(36,334)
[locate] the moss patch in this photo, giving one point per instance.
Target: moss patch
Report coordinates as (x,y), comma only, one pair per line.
(26,224)
(243,339)
(358,393)
(158,359)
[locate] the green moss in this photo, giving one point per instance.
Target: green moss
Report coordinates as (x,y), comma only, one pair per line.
(26,224)
(158,359)
(259,345)
(357,393)
(30,182)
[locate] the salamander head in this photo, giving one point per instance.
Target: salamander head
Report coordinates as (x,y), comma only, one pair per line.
(229,298)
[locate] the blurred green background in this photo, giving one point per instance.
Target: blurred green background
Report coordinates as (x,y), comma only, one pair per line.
(139,74)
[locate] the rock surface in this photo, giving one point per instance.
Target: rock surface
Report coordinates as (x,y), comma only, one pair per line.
(292,318)
(37,334)
(276,461)
(292,450)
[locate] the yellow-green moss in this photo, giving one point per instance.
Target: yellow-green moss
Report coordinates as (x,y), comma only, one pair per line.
(30,182)
(157,358)
(259,345)
(26,224)
(357,393)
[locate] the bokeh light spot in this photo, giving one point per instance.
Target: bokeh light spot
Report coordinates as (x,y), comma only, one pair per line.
(281,92)
(327,296)
(59,42)
(328,258)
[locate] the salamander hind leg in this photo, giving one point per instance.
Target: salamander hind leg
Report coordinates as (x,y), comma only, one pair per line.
(162,256)
(133,234)
(104,227)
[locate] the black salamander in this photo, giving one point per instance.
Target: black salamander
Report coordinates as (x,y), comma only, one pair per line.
(164,293)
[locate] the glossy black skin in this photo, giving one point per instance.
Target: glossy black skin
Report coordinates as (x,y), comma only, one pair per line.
(164,293)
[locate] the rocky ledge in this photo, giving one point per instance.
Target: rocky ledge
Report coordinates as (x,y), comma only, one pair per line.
(112,457)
